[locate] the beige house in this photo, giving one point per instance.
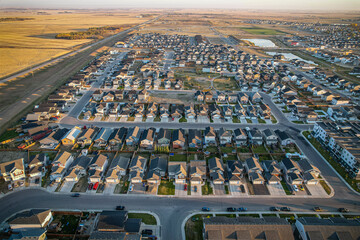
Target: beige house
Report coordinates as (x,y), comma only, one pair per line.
(32,219)
(13,170)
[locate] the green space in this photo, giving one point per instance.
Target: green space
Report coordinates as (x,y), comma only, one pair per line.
(206,189)
(9,134)
(157,119)
(226,215)
(269,215)
(273,119)
(284,215)
(261,31)
(259,149)
(352,182)
(227,189)
(298,122)
(236,120)
(306,215)
(263,157)
(166,188)
(81,185)
(178,157)
(329,215)
(194,227)
(248,121)
(249,215)
(285,187)
(183,119)
(211,149)
(325,186)
(227,149)
(69,224)
(146,218)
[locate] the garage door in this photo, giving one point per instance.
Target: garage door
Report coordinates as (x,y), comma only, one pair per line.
(195,182)
(180,181)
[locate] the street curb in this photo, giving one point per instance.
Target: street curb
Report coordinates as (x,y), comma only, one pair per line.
(341,178)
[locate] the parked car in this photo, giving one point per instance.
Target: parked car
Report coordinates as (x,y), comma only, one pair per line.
(318,209)
(75,195)
(242,188)
(242,209)
(96,185)
(274,209)
(195,189)
(120,207)
(285,209)
(295,188)
(343,210)
(91,186)
(231,209)
(301,187)
(131,188)
(147,188)
(147,232)
(205,209)
(185,187)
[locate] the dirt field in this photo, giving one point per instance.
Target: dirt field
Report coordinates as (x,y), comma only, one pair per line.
(6,156)
(174,98)
(30,42)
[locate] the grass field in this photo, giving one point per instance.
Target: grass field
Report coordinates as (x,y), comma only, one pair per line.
(261,31)
(30,42)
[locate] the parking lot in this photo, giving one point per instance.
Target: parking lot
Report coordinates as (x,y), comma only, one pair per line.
(276,189)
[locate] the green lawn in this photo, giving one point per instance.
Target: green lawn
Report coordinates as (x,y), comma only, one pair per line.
(236,120)
(248,121)
(226,215)
(325,186)
(261,120)
(227,149)
(8,135)
(69,224)
(273,119)
(166,188)
(260,149)
(261,31)
(226,189)
(206,189)
(298,122)
(183,119)
(146,218)
(194,227)
(352,182)
(178,157)
(212,149)
(285,187)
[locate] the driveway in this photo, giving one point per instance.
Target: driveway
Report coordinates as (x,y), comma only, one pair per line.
(150,120)
(235,190)
(203,120)
(67,186)
(123,119)
(109,188)
(219,189)
(97,119)
(316,190)
(164,119)
(260,189)
(179,189)
(138,119)
(112,119)
(276,190)
(198,191)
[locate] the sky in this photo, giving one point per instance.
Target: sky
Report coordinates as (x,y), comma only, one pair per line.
(326,5)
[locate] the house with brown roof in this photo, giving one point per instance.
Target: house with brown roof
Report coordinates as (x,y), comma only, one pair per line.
(34,218)
(13,170)
(197,172)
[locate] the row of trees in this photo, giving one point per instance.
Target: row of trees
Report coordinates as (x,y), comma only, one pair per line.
(91,33)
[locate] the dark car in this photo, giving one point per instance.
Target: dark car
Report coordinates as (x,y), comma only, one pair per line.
(147,232)
(231,209)
(274,209)
(285,209)
(147,188)
(90,186)
(242,209)
(242,188)
(75,195)
(343,210)
(205,209)
(120,207)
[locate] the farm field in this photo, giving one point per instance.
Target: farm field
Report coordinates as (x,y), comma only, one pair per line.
(30,42)
(261,31)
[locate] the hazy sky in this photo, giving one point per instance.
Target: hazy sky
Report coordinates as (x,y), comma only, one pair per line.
(239,4)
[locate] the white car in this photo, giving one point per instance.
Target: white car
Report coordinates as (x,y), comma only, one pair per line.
(131,188)
(295,188)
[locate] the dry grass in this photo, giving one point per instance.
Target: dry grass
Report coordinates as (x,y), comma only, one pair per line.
(30,42)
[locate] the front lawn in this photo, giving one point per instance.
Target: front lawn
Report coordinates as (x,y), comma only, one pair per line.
(227,149)
(145,218)
(206,189)
(166,188)
(178,157)
(9,134)
(259,149)
(325,186)
(285,187)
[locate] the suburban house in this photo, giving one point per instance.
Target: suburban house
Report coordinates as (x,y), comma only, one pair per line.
(157,170)
(240,137)
(13,170)
(133,136)
(102,137)
(32,219)
(97,168)
(137,168)
(284,138)
(77,169)
(225,137)
(37,164)
(216,170)
(255,137)
(235,170)
(270,137)
(197,172)
(54,139)
(177,171)
(292,171)
(147,138)
(210,136)
(178,139)
(243,98)
(272,170)
(70,136)
(117,169)
(117,136)
(164,137)
(60,165)
(254,170)
(194,138)
(86,137)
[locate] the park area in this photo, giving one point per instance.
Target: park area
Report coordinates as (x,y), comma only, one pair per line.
(261,31)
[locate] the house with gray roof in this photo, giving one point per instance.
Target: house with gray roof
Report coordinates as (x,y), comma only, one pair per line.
(163,137)
(194,138)
(117,169)
(270,137)
(117,137)
(225,136)
(235,170)
(178,139)
(240,137)
(102,137)
(137,168)
(133,136)
(177,171)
